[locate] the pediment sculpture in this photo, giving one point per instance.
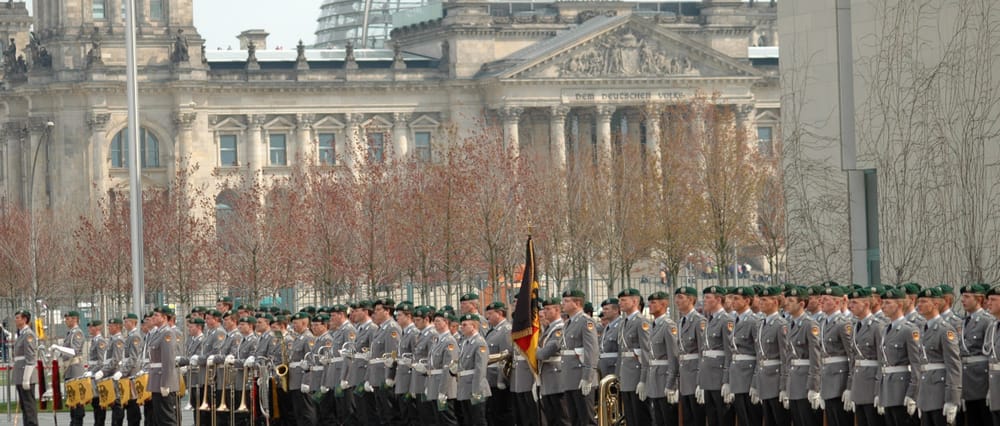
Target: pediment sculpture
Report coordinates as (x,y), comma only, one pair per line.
(625,54)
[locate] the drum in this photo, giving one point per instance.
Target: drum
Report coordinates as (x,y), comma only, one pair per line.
(106,392)
(83,387)
(125,387)
(142,394)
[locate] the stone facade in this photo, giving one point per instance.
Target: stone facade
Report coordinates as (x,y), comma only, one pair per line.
(571,67)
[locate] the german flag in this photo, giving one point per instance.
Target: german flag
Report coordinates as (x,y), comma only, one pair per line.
(525,329)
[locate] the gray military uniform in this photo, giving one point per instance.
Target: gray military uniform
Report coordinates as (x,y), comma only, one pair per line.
(866,339)
(421,352)
(714,340)
(362,343)
(162,372)
(771,375)
(297,363)
(195,374)
(835,341)
(741,354)
(579,352)
(916,319)
(975,364)
(940,366)
(663,364)
(230,346)
(439,380)
(472,368)
(74,340)
(318,354)
(246,347)
(899,354)
(633,358)
(498,340)
(339,366)
(609,347)
(133,353)
(25,359)
(549,358)
(384,341)
(404,373)
(689,351)
(992,350)
(802,353)
(96,354)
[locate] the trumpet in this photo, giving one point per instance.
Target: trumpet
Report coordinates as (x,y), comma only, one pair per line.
(209,375)
(243,395)
(225,378)
(503,358)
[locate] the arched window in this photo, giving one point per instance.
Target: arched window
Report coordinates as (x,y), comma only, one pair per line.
(150,149)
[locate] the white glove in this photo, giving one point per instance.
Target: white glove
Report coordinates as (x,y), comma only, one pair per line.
(164,391)
(453,368)
(699,395)
(585,387)
(344,384)
(98,376)
(210,360)
(534,393)
(502,386)
(88,374)
(194,359)
(815,400)
(442,397)
(420,368)
(64,352)
(368,387)
(783,397)
(250,361)
(727,394)
(754,396)
(950,411)
(911,405)
(26,386)
(878,407)
(673,396)
(230,359)
(640,390)
(304,388)
(184,369)
(848,402)
(117,376)
(390,382)
(177,360)
(389,362)
(324,389)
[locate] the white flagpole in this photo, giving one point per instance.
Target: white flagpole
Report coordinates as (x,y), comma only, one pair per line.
(134,158)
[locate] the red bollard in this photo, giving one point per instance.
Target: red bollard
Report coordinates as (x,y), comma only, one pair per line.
(56,390)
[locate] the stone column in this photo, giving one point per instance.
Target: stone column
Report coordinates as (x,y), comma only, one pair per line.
(652,116)
(14,169)
(355,154)
(511,115)
(184,122)
(557,134)
(99,141)
(745,118)
(304,152)
(254,161)
(604,113)
(400,135)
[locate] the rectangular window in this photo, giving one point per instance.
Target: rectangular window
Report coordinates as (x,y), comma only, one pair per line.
(227,151)
(764,140)
(97,10)
(156,9)
(376,146)
(279,155)
(326,152)
(422,145)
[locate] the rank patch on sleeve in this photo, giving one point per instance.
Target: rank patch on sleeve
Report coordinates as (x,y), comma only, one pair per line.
(482,349)
(848,329)
(951,335)
(394,334)
(451,347)
(590,326)
(730,325)
(673,330)
(916,336)
(815,330)
(645,326)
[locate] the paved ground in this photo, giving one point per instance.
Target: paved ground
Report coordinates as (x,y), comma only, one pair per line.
(46,418)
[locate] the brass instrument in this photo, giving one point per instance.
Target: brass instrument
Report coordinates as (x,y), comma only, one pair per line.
(609,406)
(281,370)
(209,375)
(503,358)
(243,395)
(222,397)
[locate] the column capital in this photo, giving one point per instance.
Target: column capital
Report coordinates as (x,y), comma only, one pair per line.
(744,111)
(605,111)
(304,121)
(184,120)
(353,118)
(511,113)
(256,121)
(652,112)
(400,118)
(559,112)
(98,120)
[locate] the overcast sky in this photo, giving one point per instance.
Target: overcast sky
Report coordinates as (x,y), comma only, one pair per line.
(288,21)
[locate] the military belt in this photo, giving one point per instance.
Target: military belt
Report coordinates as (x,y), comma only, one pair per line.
(18,358)
(464,373)
(155,365)
(435,372)
(295,364)
(896,369)
(744,357)
(609,355)
(338,359)
(932,366)
(658,362)
(363,355)
(974,359)
(520,358)
(689,357)
(93,361)
(770,362)
(995,366)
(317,368)
(800,362)
(834,359)
(714,353)
(403,361)
(568,352)
(376,361)
(866,363)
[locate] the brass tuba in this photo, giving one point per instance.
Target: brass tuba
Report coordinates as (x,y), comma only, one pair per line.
(504,359)
(609,404)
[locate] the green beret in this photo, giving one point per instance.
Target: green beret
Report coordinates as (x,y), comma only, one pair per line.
(629,292)
(196,321)
(323,310)
(609,301)
(758,289)
(815,290)
(300,315)
(447,308)
(788,286)
(975,288)
(995,290)
(131,316)
(268,317)
(859,293)
(660,295)
(214,313)
(338,308)
(687,291)
(165,310)
(772,291)
(588,307)
(496,306)
(932,292)
(274,310)
(574,293)
(386,302)
(353,305)
(24,313)
(441,314)
(552,301)
(831,283)
(894,293)
(911,288)
(231,314)
(310,309)
(743,291)
(833,291)
(364,304)
(198,309)
(946,289)
(405,306)
(714,289)
(469,317)
(95,323)
(115,321)
(798,292)
(323,318)
(74,314)
(248,320)
(421,311)
(244,307)
(224,299)
(280,318)
(469,296)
